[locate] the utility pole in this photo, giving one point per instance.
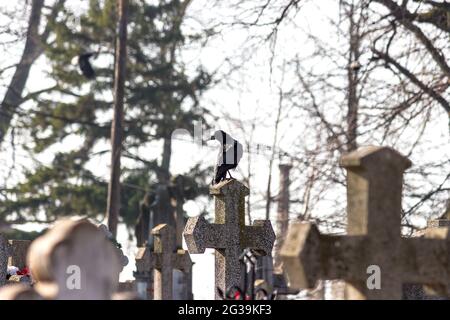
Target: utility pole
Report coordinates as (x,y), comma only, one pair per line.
(353,69)
(282,221)
(113,201)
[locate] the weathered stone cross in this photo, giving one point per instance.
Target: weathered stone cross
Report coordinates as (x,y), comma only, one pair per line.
(374,194)
(228,235)
(167,258)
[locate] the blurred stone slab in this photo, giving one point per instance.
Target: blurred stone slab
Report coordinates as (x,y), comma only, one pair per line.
(374,194)
(72,260)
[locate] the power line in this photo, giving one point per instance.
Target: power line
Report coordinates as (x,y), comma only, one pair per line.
(91,175)
(257,148)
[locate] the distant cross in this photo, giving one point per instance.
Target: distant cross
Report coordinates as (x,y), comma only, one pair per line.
(374,194)
(144,272)
(164,258)
(167,258)
(228,235)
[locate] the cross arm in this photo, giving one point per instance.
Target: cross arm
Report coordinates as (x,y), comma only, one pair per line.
(426,260)
(200,234)
(145,259)
(309,256)
(260,236)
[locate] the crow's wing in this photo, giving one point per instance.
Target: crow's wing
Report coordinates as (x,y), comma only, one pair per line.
(233,154)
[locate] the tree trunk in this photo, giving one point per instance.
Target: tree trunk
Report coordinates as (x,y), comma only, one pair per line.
(113,204)
(165,162)
(31,51)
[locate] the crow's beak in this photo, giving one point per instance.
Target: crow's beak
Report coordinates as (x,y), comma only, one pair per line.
(212,138)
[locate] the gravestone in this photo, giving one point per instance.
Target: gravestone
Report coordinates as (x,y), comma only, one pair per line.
(163,205)
(374,193)
(167,258)
(181,188)
(229,235)
(163,260)
(144,273)
(72,260)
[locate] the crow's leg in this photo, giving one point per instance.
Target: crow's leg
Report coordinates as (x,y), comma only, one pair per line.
(221,174)
(229,173)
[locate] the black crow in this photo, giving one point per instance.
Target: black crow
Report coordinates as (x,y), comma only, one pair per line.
(229,155)
(85,65)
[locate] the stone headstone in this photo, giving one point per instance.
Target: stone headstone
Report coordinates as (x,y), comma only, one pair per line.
(164,247)
(229,235)
(167,258)
(74,260)
(374,193)
(156,269)
(144,272)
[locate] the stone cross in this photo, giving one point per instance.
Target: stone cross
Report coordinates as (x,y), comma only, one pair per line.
(144,272)
(373,242)
(167,258)
(228,235)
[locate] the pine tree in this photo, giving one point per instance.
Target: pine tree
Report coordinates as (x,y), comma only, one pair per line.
(161,96)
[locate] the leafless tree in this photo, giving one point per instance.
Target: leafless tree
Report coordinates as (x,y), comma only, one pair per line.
(35,42)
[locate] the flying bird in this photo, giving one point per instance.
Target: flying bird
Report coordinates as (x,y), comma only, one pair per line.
(229,155)
(85,65)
